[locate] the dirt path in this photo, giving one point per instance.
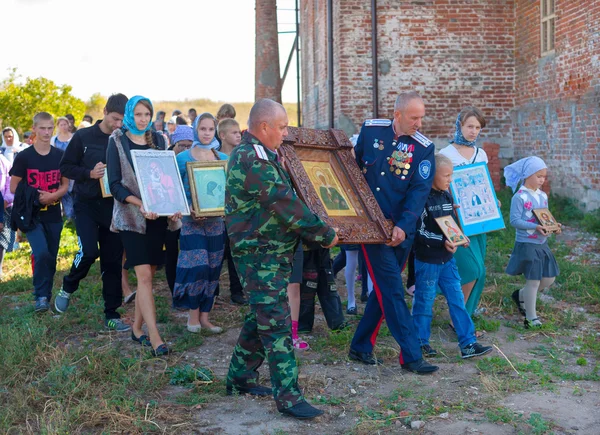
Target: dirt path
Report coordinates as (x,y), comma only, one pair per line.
(543,382)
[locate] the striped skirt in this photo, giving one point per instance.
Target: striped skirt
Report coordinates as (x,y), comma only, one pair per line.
(201,250)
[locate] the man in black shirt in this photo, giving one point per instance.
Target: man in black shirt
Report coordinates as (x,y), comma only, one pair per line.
(39,168)
(85,162)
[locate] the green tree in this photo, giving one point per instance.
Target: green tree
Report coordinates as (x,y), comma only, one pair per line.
(95,106)
(19,102)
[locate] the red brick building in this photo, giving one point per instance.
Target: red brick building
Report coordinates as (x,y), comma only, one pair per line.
(539,98)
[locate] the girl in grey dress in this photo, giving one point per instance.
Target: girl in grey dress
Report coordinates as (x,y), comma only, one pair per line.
(531,255)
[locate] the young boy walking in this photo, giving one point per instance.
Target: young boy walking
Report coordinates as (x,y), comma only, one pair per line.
(435,265)
(39,168)
(85,162)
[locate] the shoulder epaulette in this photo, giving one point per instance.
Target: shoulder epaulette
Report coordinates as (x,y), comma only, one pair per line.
(421,139)
(378,123)
(260,152)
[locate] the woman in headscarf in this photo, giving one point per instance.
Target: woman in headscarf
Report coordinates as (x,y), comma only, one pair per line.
(7,235)
(11,145)
(202,239)
(463,151)
(61,140)
(142,232)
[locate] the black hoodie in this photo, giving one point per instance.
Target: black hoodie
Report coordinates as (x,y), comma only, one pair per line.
(429,240)
(86,148)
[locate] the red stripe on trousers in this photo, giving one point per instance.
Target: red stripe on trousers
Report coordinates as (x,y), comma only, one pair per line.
(379,299)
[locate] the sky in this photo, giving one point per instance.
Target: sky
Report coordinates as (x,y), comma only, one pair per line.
(165,50)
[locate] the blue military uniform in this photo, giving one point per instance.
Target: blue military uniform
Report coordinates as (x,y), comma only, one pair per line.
(399,171)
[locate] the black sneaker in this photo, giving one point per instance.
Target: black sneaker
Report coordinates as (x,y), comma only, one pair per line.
(41,304)
(351,311)
(474,349)
(427,350)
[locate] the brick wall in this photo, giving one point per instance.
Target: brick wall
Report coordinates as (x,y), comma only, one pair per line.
(455,52)
(557,110)
(313,52)
(492,150)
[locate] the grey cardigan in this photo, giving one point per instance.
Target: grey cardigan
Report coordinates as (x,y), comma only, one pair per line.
(522,218)
(126,216)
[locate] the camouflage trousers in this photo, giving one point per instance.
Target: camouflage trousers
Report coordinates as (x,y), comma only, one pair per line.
(266,334)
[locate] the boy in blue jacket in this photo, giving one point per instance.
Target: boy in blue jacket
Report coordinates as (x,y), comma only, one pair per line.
(435,265)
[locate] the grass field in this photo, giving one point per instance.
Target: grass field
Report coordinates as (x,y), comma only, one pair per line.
(63,374)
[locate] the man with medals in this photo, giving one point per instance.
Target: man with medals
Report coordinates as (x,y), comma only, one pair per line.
(397,162)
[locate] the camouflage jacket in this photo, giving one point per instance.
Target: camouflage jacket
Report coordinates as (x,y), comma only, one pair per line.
(264,217)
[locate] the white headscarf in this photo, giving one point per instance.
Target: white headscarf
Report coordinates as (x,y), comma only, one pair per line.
(520,170)
(9,152)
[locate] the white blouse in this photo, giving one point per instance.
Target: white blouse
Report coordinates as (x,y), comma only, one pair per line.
(458,160)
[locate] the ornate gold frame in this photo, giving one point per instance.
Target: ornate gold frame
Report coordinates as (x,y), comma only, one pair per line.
(302,145)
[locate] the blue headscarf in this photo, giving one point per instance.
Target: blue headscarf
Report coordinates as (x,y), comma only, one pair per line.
(128,119)
(458,136)
(211,146)
(522,169)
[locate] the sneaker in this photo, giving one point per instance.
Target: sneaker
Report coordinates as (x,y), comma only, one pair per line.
(41,304)
(533,323)
(117,325)
(427,350)
(129,298)
(61,301)
(300,344)
(479,312)
(351,311)
(364,298)
(474,349)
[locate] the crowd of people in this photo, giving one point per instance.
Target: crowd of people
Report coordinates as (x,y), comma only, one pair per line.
(276,248)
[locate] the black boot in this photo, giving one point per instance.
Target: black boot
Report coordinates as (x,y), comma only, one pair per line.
(302,411)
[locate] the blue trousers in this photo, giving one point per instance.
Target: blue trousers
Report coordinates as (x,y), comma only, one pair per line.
(44,240)
(385,264)
(428,276)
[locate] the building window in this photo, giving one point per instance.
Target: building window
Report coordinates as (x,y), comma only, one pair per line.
(547,26)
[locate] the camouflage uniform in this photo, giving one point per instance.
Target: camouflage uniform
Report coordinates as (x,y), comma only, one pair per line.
(265,222)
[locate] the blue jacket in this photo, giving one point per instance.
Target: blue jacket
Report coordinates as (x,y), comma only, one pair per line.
(400,176)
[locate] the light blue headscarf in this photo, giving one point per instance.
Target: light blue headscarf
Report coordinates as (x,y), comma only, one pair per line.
(520,170)
(458,136)
(211,146)
(128,119)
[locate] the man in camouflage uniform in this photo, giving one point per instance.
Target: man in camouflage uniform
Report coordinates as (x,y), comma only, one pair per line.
(265,222)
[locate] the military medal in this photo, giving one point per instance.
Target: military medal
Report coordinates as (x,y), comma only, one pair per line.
(376,144)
